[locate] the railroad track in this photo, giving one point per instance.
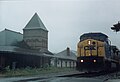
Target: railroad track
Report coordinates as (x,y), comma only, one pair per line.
(89,74)
(76,75)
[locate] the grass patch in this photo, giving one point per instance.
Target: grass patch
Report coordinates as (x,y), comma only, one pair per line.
(34,71)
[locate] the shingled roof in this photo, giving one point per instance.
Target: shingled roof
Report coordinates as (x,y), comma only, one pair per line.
(67,55)
(35,23)
(9,37)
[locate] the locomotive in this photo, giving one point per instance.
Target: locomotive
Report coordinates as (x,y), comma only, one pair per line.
(95,53)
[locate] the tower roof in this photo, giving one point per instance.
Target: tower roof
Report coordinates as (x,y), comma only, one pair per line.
(35,23)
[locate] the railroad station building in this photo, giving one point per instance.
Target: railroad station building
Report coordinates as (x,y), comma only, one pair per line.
(28,49)
(65,58)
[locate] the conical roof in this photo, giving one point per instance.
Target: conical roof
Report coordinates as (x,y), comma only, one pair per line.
(35,23)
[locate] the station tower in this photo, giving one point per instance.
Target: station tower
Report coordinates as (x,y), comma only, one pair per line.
(35,34)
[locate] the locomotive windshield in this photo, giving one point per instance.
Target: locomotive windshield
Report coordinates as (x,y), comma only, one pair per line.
(90,47)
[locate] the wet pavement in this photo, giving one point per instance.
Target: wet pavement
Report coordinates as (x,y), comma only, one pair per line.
(113,80)
(73,79)
(56,79)
(53,78)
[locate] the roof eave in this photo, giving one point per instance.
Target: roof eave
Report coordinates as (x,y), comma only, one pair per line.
(35,29)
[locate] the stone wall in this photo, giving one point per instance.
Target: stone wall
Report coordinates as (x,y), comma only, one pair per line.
(36,39)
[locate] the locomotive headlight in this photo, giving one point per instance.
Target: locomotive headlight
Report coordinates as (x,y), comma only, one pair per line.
(94,61)
(81,61)
(89,42)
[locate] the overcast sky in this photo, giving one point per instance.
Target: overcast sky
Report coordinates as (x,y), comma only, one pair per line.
(65,20)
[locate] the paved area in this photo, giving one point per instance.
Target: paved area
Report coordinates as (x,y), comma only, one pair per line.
(52,78)
(114,77)
(113,80)
(68,79)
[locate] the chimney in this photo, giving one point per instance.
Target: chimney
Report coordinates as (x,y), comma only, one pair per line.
(68,51)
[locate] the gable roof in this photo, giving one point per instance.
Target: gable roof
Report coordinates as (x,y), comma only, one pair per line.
(9,37)
(35,23)
(63,54)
